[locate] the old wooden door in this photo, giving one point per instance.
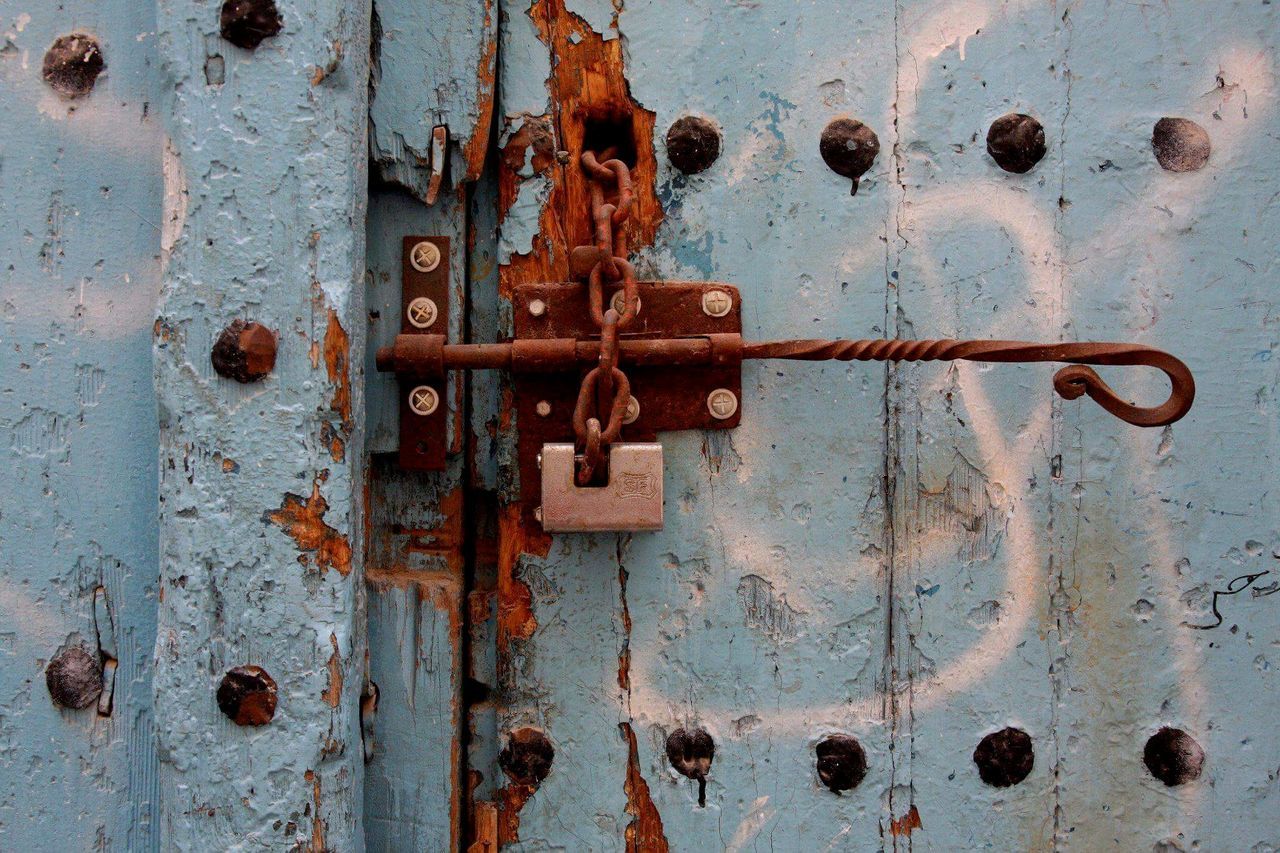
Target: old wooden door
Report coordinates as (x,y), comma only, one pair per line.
(917,605)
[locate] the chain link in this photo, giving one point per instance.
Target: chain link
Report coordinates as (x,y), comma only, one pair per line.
(606,388)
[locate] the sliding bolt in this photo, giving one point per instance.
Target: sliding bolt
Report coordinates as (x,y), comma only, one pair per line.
(423,400)
(422,313)
(722,403)
(425,256)
(716,303)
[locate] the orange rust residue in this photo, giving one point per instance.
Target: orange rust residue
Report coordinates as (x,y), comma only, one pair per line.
(229,466)
(484,828)
(329,436)
(317,823)
(511,799)
(303,520)
(515,600)
(624,657)
(645,832)
(337,353)
(908,822)
(473,152)
(333,694)
(587,84)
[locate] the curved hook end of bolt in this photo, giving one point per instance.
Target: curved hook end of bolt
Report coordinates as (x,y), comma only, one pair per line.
(1075,380)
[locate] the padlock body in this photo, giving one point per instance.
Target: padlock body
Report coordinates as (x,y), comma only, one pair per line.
(631,500)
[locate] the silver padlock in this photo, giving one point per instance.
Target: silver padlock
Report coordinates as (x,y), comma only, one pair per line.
(632,499)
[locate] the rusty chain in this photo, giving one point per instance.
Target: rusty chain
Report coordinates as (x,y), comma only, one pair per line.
(605,386)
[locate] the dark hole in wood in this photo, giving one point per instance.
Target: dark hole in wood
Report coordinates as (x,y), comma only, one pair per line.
(1173,756)
(1005,757)
(603,130)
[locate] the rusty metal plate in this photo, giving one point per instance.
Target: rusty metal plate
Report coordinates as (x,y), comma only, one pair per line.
(670,398)
(423,437)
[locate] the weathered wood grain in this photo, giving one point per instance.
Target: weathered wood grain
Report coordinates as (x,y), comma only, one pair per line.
(261,487)
(80,196)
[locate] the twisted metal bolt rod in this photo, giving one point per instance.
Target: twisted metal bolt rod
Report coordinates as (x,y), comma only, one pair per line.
(1070,382)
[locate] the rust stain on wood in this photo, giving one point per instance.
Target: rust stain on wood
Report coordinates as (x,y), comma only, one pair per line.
(333,694)
(587,85)
(302,519)
(645,832)
(907,823)
(317,823)
(484,828)
(511,799)
(337,352)
(516,536)
(473,152)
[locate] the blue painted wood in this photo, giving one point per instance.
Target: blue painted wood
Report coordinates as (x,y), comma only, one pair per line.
(433,65)
(924,555)
(80,235)
(262,485)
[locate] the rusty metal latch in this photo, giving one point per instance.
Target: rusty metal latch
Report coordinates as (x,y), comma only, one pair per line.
(682,344)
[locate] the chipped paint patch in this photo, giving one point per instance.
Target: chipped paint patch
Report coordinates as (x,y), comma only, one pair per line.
(302,519)
(767,611)
(906,824)
(645,832)
(337,357)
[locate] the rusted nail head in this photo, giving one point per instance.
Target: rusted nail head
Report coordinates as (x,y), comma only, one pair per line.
(74,678)
(1173,756)
(245,352)
(849,148)
(1180,145)
(527,756)
(1016,142)
(693,144)
(691,752)
(247,695)
(72,64)
(842,762)
(246,23)
(1005,757)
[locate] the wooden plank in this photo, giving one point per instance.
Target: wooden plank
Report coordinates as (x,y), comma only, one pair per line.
(81,188)
(758,612)
(1165,518)
(433,66)
(261,485)
(978,511)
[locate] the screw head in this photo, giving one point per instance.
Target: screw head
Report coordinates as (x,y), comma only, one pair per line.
(537,308)
(543,408)
(618,302)
(423,400)
(424,256)
(74,678)
(245,352)
(537,514)
(633,411)
(722,404)
(422,312)
(247,695)
(716,303)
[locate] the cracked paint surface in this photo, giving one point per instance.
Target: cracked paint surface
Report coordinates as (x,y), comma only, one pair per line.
(257,562)
(919,556)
